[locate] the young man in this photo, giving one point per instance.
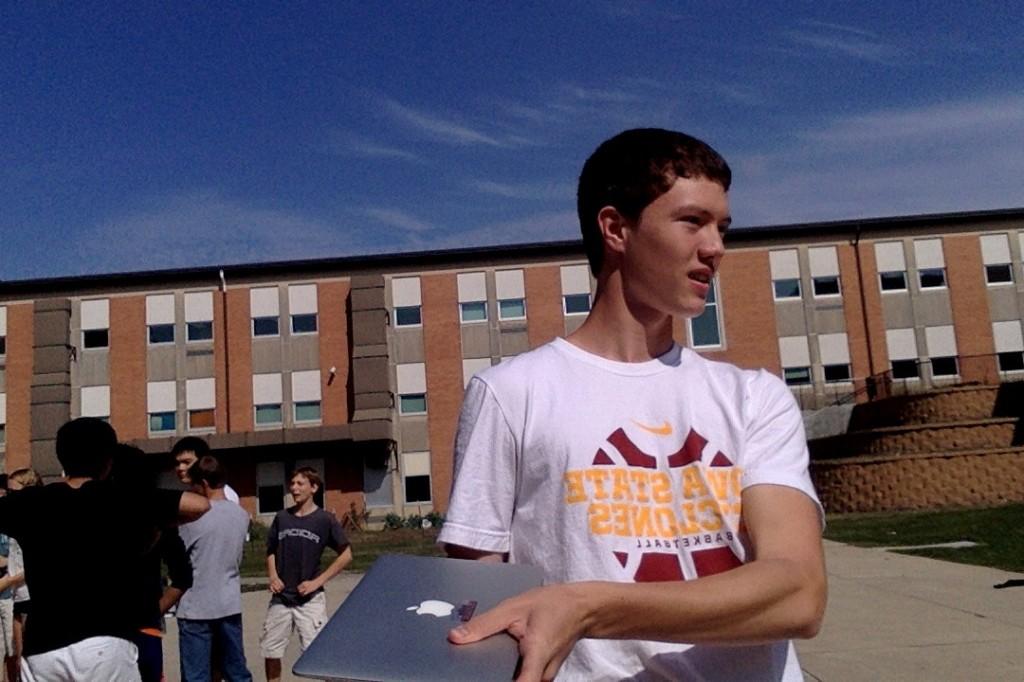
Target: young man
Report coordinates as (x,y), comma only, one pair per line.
(665,495)
(186,452)
(211,610)
(295,544)
(83,620)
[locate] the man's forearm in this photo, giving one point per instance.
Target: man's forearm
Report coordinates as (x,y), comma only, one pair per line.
(169,598)
(335,567)
(762,601)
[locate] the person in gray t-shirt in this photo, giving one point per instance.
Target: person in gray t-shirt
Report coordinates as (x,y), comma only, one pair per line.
(211,610)
(297,539)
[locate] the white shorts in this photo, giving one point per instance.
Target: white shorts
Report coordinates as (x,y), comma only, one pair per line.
(281,620)
(6,627)
(111,659)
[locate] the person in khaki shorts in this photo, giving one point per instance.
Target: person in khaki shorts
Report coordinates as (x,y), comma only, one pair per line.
(295,544)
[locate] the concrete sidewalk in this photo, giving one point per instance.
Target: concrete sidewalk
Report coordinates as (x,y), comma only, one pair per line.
(890,617)
(895,617)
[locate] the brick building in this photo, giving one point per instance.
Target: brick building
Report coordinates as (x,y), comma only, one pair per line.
(357,365)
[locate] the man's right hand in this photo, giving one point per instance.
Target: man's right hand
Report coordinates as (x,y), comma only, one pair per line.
(276,585)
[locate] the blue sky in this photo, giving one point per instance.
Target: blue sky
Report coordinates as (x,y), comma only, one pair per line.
(142,136)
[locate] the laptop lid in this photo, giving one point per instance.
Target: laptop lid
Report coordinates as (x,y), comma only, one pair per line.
(394,625)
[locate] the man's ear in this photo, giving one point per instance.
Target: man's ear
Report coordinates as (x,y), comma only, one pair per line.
(612,225)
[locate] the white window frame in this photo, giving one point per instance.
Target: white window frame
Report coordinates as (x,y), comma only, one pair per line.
(717,305)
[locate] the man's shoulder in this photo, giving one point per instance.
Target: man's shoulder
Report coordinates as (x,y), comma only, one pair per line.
(724,371)
(230,510)
(520,370)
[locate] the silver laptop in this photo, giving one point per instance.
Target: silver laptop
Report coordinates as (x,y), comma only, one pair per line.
(394,625)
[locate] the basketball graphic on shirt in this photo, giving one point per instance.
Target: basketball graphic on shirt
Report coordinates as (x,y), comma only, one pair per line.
(667,507)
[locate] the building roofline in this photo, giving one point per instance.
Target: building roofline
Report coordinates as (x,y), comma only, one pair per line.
(367,263)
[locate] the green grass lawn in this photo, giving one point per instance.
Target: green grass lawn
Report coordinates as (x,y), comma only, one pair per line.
(999,533)
(367,545)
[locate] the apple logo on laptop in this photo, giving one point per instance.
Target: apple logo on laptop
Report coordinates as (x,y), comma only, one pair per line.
(434,607)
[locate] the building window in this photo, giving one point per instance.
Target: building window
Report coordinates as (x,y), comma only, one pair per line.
(576,304)
(200,419)
(270,499)
(94,401)
(412,403)
(304,324)
(1012,361)
(3,345)
(307,411)
(473,311)
(408,316)
(417,489)
(704,329)
(836,373)
(893,281)
(270,487)
(161,333)
(786,288)
(826,286)
(265,326)
(160,422)
(198,315)
(512,309)
(999,274)
(3,435)
(944,367)
(199,331)
(905,369)
(797,376)
(932,278)
(268,415)
(95,338)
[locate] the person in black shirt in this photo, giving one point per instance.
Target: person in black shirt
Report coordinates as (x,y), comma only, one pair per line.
(83,620)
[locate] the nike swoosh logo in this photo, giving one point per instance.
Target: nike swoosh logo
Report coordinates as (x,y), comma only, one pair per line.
(663,430)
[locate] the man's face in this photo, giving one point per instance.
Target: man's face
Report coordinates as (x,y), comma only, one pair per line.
(184,460)
(672,253)
(301,489)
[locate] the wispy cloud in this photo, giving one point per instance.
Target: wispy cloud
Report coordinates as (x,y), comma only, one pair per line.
(437,127)
(572,105)
(599,95)
(350,144)
(538,227)
(844,28)
(532,191)
(844,41)
(741,94)
(204,228)
(934,122)
(951,156)
(642,10)
(398,218)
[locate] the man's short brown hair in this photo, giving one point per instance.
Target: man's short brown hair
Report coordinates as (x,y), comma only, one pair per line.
(310,474)
(208,469)
(632,169)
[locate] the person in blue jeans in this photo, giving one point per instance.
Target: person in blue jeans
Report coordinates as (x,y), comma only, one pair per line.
(211,610)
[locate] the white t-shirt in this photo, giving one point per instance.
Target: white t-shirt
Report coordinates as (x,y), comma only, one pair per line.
(629,472)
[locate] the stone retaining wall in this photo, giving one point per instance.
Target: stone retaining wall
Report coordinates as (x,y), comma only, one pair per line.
(926,481)
(913,439)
